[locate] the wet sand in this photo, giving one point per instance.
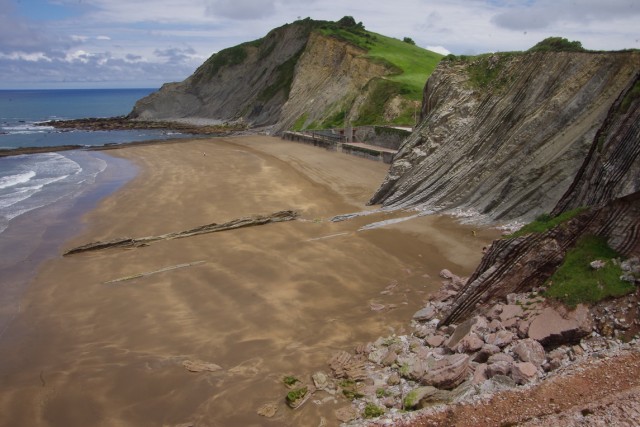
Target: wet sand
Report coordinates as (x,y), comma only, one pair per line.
(261,302)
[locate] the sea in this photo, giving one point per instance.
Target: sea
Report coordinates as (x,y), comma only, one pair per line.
(28,182)
(42,196)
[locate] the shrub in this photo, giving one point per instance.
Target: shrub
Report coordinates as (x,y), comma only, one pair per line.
(557,44)
(372,411)
(408,40)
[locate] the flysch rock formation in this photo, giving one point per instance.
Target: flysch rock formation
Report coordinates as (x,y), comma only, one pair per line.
(295,74)
(608,184)
(503,136)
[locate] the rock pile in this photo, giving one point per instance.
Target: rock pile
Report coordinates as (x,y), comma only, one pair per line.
(518,341)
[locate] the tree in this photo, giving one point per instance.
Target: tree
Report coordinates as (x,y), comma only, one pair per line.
(408,40)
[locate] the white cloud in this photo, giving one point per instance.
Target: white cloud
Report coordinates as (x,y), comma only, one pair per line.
(438,49)
(546,13)
(108,40)
(241,9)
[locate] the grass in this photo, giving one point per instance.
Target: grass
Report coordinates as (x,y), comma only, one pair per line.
(299,124)
(545,222)
(225,58)
(284,78)
(350,389)
(295,395)
(371,410)
(380,92)
(576,282)
(410,400)
(409,67)
(290,380)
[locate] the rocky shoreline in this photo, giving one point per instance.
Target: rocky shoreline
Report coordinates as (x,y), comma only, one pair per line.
(519,343)
(125,123)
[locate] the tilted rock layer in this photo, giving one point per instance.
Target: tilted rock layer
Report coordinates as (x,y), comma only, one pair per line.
(503,136)
(607,183)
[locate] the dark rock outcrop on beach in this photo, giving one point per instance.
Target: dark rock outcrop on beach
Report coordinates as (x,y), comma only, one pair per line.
(128,242)
(503,136)
(124,123)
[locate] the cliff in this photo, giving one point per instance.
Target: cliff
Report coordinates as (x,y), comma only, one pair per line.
(607,186)
(502,136)
(305,74)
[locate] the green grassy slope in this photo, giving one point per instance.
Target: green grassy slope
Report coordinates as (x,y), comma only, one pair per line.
(411,65)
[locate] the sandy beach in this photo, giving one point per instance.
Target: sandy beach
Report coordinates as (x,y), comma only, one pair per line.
(260,302)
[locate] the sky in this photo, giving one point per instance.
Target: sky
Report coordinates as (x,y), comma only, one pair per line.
(52,44)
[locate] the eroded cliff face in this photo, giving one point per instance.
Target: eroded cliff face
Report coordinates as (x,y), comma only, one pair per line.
(246,82)
(607,185)
(503,136)
(293,75)
(331,76)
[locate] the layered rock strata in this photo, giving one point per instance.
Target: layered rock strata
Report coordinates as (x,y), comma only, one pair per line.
(610,170)
(503,136)
(129,242)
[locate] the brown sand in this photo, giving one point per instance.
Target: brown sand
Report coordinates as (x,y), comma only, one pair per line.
(268,301)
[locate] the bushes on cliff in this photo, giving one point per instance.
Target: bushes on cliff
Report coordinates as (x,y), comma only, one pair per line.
(557,44)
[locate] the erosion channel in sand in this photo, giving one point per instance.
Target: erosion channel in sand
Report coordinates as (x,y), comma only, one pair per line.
(103,336)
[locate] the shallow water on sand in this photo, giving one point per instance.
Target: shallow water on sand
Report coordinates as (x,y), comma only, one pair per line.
(261,302)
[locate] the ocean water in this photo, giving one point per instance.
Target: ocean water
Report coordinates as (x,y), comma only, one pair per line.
(29,182)
(43,196)
(22,110)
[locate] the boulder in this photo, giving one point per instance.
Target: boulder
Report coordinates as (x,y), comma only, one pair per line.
(480,374)
(469,343)
(510,311)
(485,352)
(524,372)
(346,414)
(447,372)
(500,338)
(423,397)
(446,274)
(435,340)
(472,325)
(497,383)
(499,368)
(394,379)
(500,357)
(550,328)
(424,314)
(530,350)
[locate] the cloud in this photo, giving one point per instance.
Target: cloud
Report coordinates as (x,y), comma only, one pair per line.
(176,55)
(527,15)
(438,49)
(241,9)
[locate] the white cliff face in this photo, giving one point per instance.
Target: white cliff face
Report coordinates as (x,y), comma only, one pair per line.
(504,136)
